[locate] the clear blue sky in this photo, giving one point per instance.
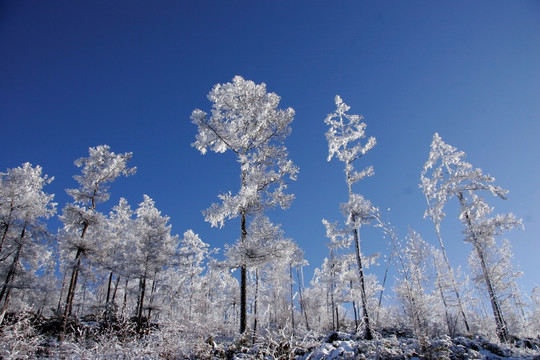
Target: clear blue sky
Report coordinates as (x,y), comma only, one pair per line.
(76,74)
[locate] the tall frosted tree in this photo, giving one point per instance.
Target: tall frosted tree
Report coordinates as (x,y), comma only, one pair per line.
(344,142)
(447,175)
(432,177)
(119,247)
(155,248)
(246,120)
(23,246)
(82,222)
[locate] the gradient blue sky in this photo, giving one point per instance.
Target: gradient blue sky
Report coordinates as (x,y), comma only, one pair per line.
(76,74)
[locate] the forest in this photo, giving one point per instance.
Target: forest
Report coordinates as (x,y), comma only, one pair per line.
(115,281)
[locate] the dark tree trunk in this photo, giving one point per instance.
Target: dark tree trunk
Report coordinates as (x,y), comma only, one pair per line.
(141,303)
(365,317)
(109,287)
(6,227)
(72,285)
(6,289)
(243,281)
(115,288)
(255,305)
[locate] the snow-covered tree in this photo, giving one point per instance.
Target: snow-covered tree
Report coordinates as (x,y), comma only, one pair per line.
(447,175)
(155,248)
(534,318)
(245,120)
(119,247)
(23,247)
(344,141)
(192,254)
(82,222)
(413,285)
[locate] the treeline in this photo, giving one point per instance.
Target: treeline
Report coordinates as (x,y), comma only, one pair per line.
(126,268)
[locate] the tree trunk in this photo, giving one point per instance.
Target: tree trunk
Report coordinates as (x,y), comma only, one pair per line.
(354,309)
(124,303)
(6,229)
(502,331)
(141,303)
(243,280)
(109,287)
(255,305)
(152,291)
(72,285)
(452,278)
(6,289)
(301,293)
(10,275)
(61,292)
(115,288)
(443,298)
(292,298)
(365,317)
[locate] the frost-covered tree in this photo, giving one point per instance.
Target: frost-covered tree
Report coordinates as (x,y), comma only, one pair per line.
(23,247)
(431,177)
(155,248)
(413,285)
(245,120)
(82,222)
(447,175)
(119,247)
(192,254)
(344,141)
(534,318)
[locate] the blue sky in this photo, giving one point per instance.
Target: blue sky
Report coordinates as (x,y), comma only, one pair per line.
(128,74)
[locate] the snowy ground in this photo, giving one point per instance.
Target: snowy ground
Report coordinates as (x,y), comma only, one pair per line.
(21,340)
(392,347)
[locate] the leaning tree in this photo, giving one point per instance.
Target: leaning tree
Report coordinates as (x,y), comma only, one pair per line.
(446,175)
(82,222)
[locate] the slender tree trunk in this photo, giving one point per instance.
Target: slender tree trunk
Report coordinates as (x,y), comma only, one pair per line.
(255,305)
(62,292)
(243,280)
(354,309)
(72,286)
(332,303)
(292,298)
(115,288)
(109,287)
(141,303)
(388,262)
(152,291)
(337,316)
(124,303)
(6,228)
(451,273)
(502,331)
(5,294)
(301,293)
(11,274)
(443,298)
(190,297)
(365,317)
